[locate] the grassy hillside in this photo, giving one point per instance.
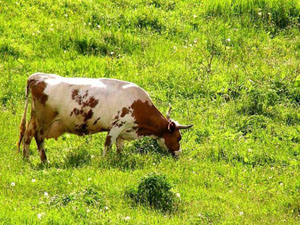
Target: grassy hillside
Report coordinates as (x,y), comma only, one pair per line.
(229,67)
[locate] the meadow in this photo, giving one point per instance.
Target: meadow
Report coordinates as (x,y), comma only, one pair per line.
(231,68)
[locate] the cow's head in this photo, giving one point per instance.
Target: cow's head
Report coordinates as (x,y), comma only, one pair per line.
(171,136)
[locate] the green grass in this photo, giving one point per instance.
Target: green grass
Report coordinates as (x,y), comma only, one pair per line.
(229,67)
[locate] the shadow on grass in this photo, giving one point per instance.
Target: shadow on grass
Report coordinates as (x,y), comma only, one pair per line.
(140,154)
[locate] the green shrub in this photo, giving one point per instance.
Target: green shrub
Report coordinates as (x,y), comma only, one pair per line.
(154,191)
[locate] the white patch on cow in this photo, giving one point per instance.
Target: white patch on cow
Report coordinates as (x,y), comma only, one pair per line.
(162,144)
(177,153)
(130,85)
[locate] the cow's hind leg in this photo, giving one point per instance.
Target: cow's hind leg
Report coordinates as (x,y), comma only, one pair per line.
(28,135)
(40,144)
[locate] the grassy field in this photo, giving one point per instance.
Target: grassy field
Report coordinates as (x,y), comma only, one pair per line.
(232,68)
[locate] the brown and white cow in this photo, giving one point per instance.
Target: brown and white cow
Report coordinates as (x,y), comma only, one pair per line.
(85,106)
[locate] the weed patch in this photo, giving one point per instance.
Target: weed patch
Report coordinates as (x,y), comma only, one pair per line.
(154,191)
(78,158)
(89,197)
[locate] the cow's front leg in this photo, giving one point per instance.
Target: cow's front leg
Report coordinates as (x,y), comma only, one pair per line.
(109,141)
(120,144)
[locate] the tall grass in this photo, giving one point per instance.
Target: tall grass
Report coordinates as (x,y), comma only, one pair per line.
(279,13)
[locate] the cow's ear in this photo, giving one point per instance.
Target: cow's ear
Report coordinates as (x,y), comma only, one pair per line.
(171,126)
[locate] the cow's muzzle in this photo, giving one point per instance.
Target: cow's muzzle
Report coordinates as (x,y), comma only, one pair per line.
(176,154)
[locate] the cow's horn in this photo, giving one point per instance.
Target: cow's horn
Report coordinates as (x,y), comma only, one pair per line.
(184,126)
(169,112)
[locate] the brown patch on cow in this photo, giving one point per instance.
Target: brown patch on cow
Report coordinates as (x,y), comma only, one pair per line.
(81,129)
(125,111)
(108,140)
(96,121)
(92,102)
(149,120)
(88,115)
(86,94)
(82,99)
(75,111)
(37,90)
(76,96)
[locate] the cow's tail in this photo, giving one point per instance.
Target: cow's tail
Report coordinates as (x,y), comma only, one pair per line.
(23,121)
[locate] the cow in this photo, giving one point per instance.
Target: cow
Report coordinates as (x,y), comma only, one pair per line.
(85,106)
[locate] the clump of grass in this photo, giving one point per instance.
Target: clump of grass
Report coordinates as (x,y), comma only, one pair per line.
(156,192)
(8,50)
(147,145)
(106,44)
(125,161)
(278,13)
(252,123)
(77,158)
(88,196)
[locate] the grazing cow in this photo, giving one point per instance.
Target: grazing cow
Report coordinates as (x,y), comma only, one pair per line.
(85,106)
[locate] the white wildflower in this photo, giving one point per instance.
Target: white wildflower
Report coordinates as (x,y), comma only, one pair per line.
(178,195)
(40,215)
(127,218)
(33,180)
(241,213)
(12,184)
(46,194)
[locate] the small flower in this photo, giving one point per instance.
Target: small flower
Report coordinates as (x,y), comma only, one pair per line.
(33,180)
(259,14)
(228,40)
(98,26)
(12,184)
(89,179)
(241,213)
(92,156)
(106,208)
(281,184)
(112,53)
(178,195)
(88,210)
(66,15)
(46,194)
(195,16)
(40,215)
(127,218)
